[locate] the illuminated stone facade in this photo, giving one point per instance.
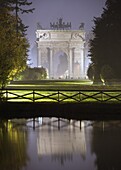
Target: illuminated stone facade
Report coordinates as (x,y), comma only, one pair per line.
(61,51)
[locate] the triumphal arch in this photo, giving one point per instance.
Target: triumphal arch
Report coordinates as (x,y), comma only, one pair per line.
(61,50)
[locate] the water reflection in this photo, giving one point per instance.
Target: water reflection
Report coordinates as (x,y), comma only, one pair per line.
(106,141)
(13,145)
(60,144)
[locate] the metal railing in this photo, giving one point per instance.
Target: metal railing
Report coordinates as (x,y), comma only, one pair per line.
(49,95)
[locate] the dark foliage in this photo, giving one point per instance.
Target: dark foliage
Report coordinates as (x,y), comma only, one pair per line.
(106,44)
(33,74)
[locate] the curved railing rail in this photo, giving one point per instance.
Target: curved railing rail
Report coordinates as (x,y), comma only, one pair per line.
(50,95)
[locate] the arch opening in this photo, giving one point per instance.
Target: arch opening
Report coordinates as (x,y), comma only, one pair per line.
(60,65)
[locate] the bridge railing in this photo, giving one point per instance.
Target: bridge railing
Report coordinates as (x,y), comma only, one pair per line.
(50,95)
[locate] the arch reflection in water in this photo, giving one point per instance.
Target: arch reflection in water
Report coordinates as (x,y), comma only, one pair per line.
(60,144)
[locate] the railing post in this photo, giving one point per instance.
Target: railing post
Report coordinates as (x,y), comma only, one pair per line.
(6,95)
(58,97)
(80,97)
(33,96)
(102,96)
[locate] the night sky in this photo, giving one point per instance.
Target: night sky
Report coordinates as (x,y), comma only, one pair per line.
(74,11)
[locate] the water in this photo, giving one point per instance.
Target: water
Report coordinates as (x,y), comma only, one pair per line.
(49,144)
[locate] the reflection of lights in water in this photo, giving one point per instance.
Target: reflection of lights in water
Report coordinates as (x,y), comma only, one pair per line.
(63,143)
(82,124)
(40,120)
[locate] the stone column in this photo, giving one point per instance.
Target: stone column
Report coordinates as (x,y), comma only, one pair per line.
(82,62)
(51,63)
(39,63)
(70,62)
(73,56)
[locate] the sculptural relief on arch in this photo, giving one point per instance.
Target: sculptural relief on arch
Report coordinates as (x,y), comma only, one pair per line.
(61,50)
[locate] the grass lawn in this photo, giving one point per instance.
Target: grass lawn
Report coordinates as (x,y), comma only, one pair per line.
(50,84)
(60,85)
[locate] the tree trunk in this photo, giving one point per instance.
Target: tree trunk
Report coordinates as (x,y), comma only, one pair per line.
(97,79)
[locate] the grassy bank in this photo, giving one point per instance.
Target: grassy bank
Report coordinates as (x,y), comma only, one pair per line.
(50,84)
(60,84)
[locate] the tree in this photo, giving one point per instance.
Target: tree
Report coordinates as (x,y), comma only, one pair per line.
(13,43)
(106,44)
(33,74)
(13,49)
(17,7)
(107,74)
(90,72)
